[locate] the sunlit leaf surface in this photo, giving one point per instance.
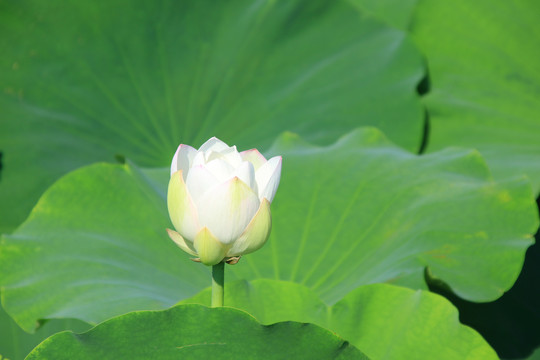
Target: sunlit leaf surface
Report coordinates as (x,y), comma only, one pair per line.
(196,332)
(485,80)
(397,13)
(85,81)
(95,245)
(386,322)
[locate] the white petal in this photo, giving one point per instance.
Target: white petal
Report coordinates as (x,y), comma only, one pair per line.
(198,159)
(232,156)
(268,177)
(213,144)
(182,159)
(220,169)
(212,155)
(256,233)
(229,155)
(210,250)
(254,157)
(246,173)
(181,242)
(200,180)
(182,210)
(227,209)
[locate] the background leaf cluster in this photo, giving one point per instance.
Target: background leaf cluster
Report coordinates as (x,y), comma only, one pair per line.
(408,131)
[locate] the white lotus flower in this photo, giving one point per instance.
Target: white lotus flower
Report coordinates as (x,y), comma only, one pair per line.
(219,200)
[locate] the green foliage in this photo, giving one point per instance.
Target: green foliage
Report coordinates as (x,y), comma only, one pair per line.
(139,83)
(483,65)
(535,355)
(196,332)
(95,246)
(16,344)
(510,322)
(105,81)
(385,321)
(397,13)
(98,234)
(364,210)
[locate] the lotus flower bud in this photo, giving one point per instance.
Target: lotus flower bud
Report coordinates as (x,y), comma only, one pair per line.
(219,200)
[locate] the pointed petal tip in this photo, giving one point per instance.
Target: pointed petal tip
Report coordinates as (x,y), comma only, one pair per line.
(181,242)
(279,159)
(254,157)
(236,181)
(227,209)
(251,151)
(210,250)
(213,143)
(268,178)
(182,158)
(186,146)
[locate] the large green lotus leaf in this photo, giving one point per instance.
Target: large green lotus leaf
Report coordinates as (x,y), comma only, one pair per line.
(397,13)
(196,332)
(357,212)
(534,356)
(364,210)
(83,81)
(105,252)
(485,83)
(15,344)
(384,321)
(511,324)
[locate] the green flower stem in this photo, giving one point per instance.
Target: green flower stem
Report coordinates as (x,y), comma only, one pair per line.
(218,284)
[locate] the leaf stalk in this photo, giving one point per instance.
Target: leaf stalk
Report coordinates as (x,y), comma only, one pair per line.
(218,284)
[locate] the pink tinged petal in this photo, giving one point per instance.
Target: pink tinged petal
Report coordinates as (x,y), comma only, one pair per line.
(246,173)
(254,157)
(182,159)
(220,169)
(209,249)
(182,210)
(183,244)
(213,144)
(227,209)
(256,233)
(200,180)
(268,177)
